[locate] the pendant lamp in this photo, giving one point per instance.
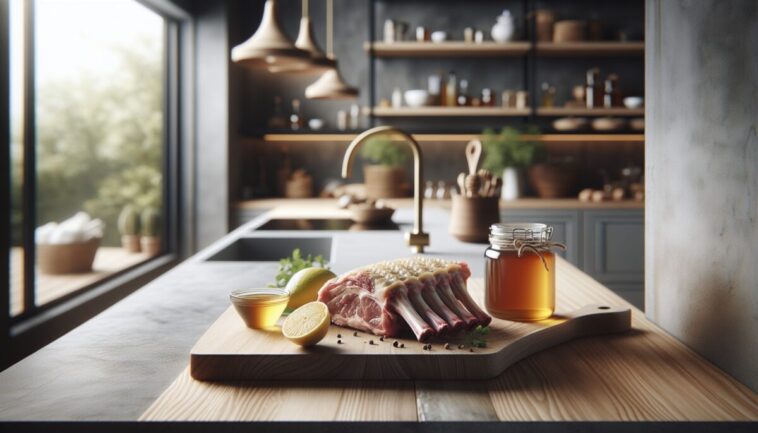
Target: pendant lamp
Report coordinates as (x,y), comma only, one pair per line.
(330,85)
(318,63)
(268,45)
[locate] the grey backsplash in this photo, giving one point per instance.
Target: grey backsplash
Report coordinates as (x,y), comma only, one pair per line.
(442,160)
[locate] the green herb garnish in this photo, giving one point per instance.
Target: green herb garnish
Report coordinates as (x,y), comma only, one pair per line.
(288,266)
(478,336)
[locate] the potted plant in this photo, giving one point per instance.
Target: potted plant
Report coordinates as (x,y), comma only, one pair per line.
(128,226)
(508,152)
(150,221)
(384,177)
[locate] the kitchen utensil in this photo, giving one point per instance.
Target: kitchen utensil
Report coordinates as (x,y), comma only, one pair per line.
(473,152)
(473,183)
(231,351)
(569,31)
(632,102)
(462,183)
(416,98)
(471,217)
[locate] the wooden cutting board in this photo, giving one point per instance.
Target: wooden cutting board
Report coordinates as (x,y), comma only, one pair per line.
(231,351)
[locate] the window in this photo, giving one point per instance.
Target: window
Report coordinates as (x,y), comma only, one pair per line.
(89,146)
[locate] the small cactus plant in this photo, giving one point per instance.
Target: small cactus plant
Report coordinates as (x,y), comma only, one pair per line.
(128,222)
(150,222)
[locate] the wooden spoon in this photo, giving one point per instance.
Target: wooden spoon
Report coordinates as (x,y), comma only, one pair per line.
(462,183)
(473,152)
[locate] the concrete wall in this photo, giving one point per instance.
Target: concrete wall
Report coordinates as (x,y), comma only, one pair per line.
(702,178)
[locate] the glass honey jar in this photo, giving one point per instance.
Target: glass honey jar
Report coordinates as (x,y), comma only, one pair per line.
(520,271)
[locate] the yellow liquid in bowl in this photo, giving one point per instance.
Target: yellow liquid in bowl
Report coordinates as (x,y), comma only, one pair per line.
(260,308)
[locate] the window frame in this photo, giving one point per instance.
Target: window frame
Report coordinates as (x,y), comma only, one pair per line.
(37,325)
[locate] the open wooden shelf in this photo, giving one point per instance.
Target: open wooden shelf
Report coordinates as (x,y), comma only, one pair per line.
(449,112)
(497,49)
(454,138)
(590,48)
(589,112)
(448,49)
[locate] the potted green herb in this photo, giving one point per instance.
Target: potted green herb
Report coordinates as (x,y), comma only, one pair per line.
(508,152)
(384,176)
(128,226)
(150,221)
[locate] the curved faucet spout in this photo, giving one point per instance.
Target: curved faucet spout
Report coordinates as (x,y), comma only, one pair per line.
(416,239)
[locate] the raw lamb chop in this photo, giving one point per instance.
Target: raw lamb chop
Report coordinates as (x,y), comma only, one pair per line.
(428,294)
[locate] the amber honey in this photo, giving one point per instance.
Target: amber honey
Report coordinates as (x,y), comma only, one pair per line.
(520,288)
(260,308)
(520,272)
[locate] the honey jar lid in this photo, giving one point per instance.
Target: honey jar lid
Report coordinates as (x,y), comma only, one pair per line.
(504,235)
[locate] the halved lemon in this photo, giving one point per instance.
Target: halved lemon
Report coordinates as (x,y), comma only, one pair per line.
(308,324)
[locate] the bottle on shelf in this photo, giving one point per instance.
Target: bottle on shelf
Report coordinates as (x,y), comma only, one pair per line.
(548,95)
(296,120)
(434,87)
(612,96)
(451,90)
(593,94)
(488,99)
(463,99)
(278,120)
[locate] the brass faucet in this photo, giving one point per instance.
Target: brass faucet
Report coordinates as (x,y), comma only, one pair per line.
(416,238)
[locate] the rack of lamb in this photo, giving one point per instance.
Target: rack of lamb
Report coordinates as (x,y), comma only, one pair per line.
(428,294)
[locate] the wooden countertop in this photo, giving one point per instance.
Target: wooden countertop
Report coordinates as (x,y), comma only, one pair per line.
(643,375)
(322,204)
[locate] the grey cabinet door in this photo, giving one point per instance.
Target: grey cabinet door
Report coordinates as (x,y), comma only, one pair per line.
(614,248)
(565,223)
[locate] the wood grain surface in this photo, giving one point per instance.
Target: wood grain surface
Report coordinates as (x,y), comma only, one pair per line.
(644,374)
(231,351)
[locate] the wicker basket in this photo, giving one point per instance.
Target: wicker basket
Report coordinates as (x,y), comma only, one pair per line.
(74,258)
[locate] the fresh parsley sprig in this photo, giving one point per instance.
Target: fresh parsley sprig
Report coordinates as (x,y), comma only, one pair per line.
(288,266)
(478,336)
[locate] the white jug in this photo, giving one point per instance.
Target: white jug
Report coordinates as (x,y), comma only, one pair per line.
(503,30)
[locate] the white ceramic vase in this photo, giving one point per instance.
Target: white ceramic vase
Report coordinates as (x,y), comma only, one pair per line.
(512,184)
(503,30)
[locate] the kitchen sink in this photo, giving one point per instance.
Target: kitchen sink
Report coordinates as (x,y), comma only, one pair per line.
(260,249)
(322,224)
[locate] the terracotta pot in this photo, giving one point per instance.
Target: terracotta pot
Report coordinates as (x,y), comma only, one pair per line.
(72,258)
(383,181)
(553,180)
(471,217)
(151,245)
(130,243)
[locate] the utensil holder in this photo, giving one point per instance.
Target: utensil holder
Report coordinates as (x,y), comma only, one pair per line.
(471,217)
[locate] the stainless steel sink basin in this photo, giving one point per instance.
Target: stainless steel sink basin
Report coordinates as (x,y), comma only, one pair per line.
(259,249)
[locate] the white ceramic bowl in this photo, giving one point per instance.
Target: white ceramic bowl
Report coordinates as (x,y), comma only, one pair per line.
(439,36)
(315,124)
(634,101)
(416,98)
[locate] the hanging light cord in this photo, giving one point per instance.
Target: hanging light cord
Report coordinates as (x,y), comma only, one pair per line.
(329,29)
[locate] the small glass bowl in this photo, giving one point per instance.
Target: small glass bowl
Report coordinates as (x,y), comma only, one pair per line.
(260,308)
